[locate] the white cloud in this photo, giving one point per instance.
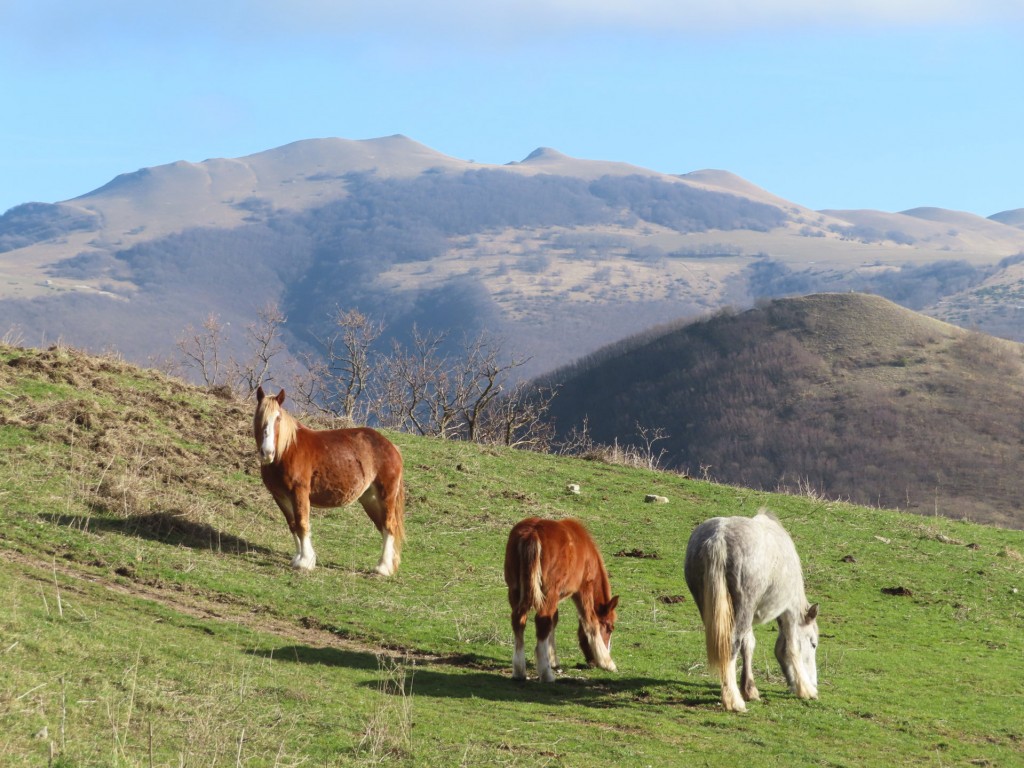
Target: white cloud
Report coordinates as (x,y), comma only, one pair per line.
(50,23)
(661,15)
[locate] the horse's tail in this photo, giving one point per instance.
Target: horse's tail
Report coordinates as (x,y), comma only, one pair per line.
(396,516)
(531,587)
(718,615)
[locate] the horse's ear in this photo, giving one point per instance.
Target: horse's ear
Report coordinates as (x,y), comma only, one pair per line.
(260,394)
(611,604)
(280,397)
(812,614)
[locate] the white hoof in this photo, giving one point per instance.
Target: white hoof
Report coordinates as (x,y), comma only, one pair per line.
(303,563)
(733,703)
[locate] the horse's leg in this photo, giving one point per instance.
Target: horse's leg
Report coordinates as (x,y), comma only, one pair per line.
(747,687)
(544,624)
(377,510)
(519,653)
(287,508)
(732,700)
(552,654)
(305,560)
(393,495)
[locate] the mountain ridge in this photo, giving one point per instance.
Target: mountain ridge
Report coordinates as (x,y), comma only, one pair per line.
(561,253)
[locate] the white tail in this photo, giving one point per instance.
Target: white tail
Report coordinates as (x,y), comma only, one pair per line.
(718,616)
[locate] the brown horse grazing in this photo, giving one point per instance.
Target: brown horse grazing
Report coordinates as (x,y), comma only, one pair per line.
(546,561)
(329,468)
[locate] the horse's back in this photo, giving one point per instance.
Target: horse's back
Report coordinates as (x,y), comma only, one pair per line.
(749,539)
(363,445)
(568,553)
(341,464)
(757,553)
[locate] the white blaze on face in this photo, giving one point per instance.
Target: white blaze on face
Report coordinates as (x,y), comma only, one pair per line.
(268,448)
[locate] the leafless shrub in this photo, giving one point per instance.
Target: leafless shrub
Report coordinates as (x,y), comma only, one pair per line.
(203,352)
(336,379)
(13,337)
(517,419)
(643,456)
(424,387)
(387,733)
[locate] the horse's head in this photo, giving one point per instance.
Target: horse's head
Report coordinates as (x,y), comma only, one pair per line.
(606,618)
(605,625)
(799,646)
(265,424)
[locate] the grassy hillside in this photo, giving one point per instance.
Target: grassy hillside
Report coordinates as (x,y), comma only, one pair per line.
(848,394)
(150,618)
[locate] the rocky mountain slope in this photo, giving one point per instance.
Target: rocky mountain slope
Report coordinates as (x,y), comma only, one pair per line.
(560,255)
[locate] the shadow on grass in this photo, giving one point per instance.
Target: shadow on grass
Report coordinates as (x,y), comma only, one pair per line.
(328,657)
(599,692)
(475,677)
(167,528)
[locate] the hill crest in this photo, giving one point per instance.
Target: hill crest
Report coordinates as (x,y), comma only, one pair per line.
(848,394)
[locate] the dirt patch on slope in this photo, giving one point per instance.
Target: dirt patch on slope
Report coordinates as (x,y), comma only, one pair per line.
(218,607)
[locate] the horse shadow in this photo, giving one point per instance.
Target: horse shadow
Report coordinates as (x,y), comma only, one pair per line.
(164,527)
(488,679)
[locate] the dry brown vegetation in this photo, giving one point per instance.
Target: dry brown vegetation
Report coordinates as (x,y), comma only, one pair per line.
(845,394)
(144,447)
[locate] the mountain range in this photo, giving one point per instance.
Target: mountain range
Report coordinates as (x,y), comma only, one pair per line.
(558,255)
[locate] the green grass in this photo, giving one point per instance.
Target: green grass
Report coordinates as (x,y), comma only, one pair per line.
(149,616)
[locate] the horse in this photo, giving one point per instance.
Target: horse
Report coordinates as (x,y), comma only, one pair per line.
(545,562)
(304,467)
(744,571)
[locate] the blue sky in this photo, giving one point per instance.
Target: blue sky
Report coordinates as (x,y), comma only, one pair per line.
(885,104)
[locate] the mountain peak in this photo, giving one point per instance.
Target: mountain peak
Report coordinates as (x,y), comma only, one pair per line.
(545,154)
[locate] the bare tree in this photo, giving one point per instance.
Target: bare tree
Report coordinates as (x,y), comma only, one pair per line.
(204,352)
(482,378)
(264,342)
(201,351)
(517,418)
(468,394)
(338,377)
(458,395)
(414,389)
(648,438)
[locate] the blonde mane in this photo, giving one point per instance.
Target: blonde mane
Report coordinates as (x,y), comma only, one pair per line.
(287,426)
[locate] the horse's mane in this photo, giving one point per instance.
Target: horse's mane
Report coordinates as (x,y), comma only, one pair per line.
(287,426)
(765,512)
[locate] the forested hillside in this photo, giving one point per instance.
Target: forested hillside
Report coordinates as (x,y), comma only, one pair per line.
(847,395)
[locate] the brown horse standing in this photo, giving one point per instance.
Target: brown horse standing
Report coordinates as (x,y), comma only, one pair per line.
(546,561)
(329,468)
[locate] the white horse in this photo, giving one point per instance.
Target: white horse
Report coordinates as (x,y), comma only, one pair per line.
(744,571)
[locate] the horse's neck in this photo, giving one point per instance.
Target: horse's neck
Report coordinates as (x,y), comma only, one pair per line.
(794,614)
(602,587)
